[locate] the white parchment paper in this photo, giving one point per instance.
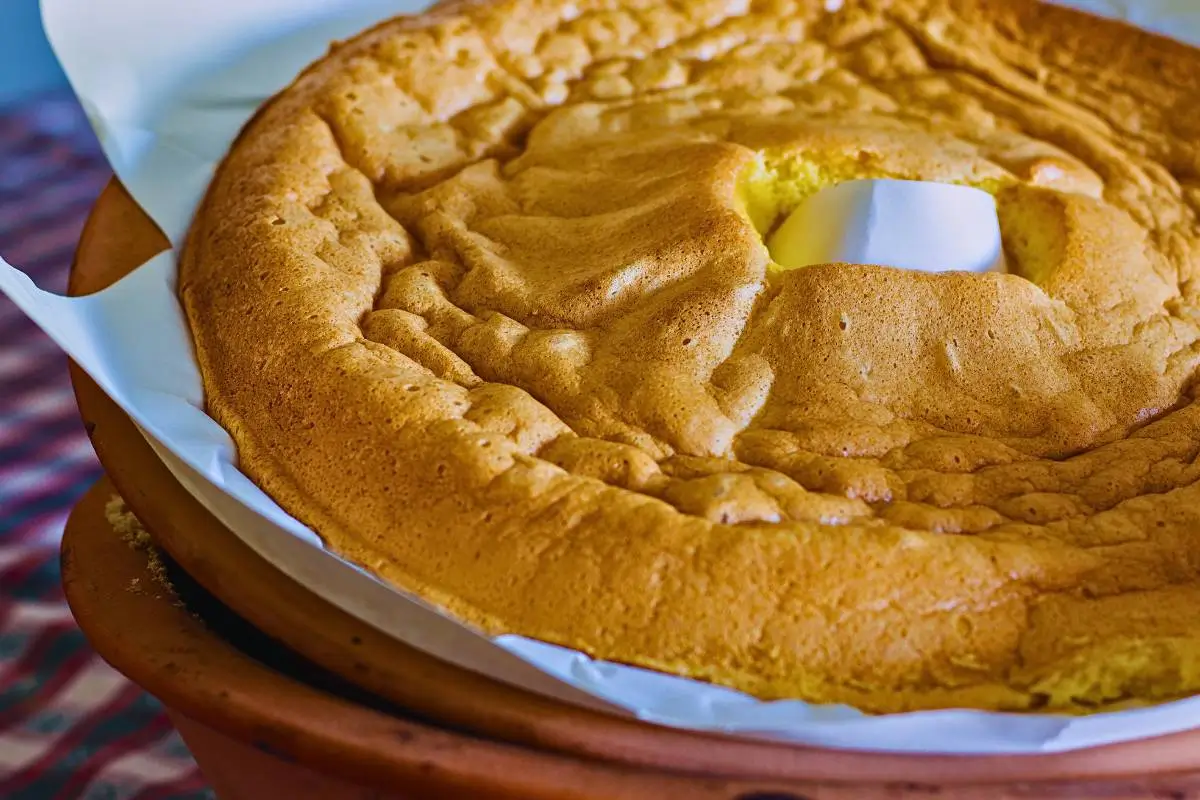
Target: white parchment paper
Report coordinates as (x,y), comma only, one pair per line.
(167,85)
(915,225)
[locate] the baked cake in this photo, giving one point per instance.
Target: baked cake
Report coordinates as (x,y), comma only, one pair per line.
(483,298)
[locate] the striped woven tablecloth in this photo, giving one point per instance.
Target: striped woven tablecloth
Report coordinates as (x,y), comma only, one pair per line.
(70,726)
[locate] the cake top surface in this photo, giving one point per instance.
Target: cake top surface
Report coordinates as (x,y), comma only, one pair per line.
(484,298)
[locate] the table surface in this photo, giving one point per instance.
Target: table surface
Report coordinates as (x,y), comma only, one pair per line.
(70,727)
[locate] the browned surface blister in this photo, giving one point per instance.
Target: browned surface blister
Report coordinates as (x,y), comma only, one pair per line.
(483,298)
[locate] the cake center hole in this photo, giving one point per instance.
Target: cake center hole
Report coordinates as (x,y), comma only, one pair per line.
(811,213)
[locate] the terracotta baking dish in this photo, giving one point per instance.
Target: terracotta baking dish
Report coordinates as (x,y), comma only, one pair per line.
(565,751)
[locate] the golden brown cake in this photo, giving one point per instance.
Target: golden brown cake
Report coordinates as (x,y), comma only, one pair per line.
(483,298)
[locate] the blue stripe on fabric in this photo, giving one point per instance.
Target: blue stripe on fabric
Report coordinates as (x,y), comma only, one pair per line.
(64,645)
(62,499)
(136,716)
(48,723)
(12,644)
(41,581)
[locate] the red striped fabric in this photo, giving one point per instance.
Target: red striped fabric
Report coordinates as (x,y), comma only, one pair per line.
(70,726)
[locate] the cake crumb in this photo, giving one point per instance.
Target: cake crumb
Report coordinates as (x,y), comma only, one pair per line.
(132,532)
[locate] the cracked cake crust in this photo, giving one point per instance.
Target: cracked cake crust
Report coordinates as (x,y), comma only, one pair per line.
(483,299)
